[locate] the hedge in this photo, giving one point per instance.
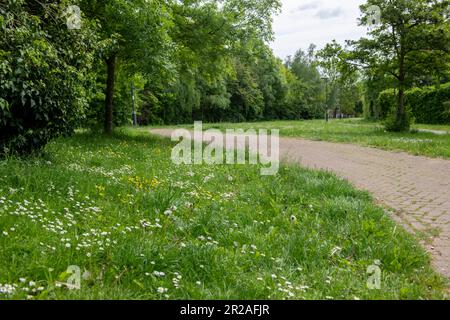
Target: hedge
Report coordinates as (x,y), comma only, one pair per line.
(429,105)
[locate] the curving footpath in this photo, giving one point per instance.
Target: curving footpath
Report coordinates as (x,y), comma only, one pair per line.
(416,188)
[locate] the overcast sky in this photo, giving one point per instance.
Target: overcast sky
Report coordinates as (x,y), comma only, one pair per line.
(315,21)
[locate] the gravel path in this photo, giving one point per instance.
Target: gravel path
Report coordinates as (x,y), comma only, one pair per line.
(416,188)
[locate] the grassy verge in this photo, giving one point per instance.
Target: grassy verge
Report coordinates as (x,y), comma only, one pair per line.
(358,132)
(433,127)
(140,227)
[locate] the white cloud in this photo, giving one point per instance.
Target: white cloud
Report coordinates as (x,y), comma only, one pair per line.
(308,6)
(304,22)
(325,14)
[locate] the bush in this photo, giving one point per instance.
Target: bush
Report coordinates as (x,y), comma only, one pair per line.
(386,103)
(44,75)
(428,105)
(394,124)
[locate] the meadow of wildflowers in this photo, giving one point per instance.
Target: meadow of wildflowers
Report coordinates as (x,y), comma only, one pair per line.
(140,227)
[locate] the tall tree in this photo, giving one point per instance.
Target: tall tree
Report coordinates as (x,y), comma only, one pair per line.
(135,32)
(209,37)
(308,91)
(329,59)
(411,36)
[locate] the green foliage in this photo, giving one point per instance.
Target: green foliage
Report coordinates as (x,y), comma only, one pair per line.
(344,90)
(350,97)
(359,108)
(393,123)
(411,39)
(306,95)
(374,84)
(428,105)
(194,60)
(45,74)
(133,38)
(199,60)
(386,103)
(247,101)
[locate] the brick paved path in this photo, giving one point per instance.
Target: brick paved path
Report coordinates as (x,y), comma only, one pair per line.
(417,188)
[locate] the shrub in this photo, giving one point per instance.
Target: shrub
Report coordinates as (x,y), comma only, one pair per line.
(44,75)
(386,103)
(427,105)
(394,124)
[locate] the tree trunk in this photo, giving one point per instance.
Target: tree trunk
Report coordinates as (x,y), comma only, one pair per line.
(401,112)
(110,82)
(401,118)
(402,121)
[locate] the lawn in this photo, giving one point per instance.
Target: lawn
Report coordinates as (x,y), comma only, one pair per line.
(359,132)
(435,127)
(140,227)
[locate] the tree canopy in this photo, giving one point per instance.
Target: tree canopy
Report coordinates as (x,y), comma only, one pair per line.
(187,60)
(411,39)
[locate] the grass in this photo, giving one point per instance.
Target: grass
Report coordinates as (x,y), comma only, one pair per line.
(435,127)
(360,132)
(140,227)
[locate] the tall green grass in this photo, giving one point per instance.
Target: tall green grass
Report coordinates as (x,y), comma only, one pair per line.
(140,227)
